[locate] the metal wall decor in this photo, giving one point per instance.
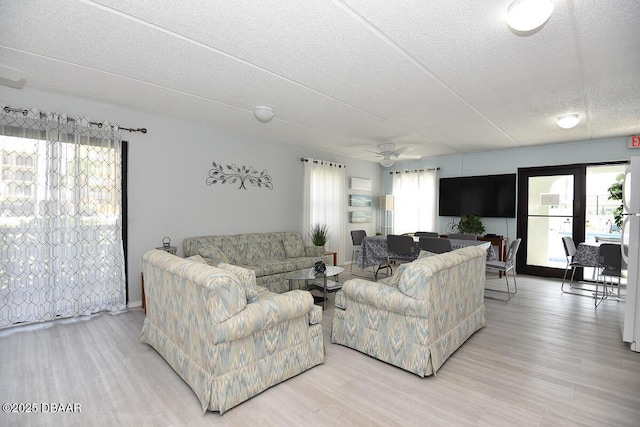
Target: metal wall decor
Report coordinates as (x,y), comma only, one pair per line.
(239,173)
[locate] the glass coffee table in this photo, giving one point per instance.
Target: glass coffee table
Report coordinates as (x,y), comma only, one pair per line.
(317,280)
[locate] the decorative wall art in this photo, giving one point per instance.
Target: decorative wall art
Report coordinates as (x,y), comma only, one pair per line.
(360,216)
(359,201)
(242,174)
(361,184)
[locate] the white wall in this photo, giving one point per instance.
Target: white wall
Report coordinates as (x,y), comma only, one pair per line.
(508,161)
(168,167)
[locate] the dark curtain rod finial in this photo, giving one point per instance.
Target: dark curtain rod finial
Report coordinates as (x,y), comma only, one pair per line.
(143,130)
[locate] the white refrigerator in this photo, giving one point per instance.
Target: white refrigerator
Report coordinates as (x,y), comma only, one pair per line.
(630,315)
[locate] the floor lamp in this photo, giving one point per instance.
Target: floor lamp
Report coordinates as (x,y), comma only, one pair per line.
(386,215)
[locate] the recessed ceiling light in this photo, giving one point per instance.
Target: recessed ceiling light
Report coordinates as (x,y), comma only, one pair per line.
(567,121)
(528,15)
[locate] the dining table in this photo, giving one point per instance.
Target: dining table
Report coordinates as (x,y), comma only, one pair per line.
(587,253)
(374,250)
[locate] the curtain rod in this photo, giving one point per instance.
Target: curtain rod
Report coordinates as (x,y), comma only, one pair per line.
(415,170)
(25,112)
(322,162)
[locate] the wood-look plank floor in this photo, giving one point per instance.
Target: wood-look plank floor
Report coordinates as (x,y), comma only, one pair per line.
(544,359)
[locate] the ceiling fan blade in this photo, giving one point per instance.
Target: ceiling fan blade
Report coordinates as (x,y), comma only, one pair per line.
(402,150)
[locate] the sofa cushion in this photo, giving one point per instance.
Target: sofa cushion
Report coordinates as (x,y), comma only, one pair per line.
(232,248)
(258,248)
(293,246)
(276,247)
(246,277)
(227,299)
(212,255)
(414,280)
(269,267)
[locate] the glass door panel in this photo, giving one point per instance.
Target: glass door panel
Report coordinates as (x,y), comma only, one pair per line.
(549,218)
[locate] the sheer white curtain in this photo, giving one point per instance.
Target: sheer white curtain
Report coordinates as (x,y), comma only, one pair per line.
(414,201)
(325,202)
(61,249)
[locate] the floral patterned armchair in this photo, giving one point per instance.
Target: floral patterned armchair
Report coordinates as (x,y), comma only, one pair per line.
(226,337)
(418,317)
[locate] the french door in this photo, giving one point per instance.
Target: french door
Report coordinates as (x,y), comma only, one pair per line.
(550,206)
(559,201)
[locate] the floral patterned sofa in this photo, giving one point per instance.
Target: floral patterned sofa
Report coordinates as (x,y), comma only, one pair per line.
(418,317)
(269,255)
(226,337)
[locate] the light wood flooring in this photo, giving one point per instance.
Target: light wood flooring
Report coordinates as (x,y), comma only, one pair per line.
(544,359)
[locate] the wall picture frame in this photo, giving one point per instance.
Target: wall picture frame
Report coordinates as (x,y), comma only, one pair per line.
(360,216)
(360,184)
(360,201)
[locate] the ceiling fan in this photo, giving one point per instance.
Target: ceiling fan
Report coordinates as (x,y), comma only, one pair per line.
(389,154)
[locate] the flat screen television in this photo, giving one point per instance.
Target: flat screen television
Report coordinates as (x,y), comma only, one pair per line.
(488,196)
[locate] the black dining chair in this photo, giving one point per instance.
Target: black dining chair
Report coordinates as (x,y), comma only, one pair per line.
(426,234)
(435,245)
(356,239)
(399,249)
(610,266)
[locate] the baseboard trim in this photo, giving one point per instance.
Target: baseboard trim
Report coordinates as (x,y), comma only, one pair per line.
(134,304)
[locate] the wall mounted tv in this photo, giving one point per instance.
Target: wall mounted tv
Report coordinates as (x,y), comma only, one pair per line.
(488,196)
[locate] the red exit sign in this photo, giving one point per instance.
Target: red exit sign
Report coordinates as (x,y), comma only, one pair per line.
(634,141)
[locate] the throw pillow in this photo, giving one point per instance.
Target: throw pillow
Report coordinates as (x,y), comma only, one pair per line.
(247,279)
(197,258)
(213,255)
(425,254)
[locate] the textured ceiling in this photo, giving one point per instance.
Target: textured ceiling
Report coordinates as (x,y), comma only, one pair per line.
(439,76)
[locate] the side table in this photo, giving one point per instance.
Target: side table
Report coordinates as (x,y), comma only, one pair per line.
(309,276)
(335,257)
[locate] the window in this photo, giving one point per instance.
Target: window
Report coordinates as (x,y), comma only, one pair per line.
(414,201)
(325,202)
(62,247)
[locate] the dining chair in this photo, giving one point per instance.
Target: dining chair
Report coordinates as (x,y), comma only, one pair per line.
(435,245)
(400,248)
(356,239)
(570,252)
(610,266)
(505,267)
(463,236)
(426,234)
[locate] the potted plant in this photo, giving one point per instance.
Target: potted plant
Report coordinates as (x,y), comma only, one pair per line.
(470,224)
(615,193)
(319,234)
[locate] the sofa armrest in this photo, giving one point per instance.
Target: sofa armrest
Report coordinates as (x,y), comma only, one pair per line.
(383,296)
(313,251)
(264,313)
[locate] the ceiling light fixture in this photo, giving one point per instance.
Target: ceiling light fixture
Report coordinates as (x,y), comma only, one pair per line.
(528,15)
(263,113)
(386,162)
(11,77)
(567,121)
